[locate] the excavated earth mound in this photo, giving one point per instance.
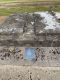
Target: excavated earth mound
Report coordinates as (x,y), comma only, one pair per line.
(31,29)
(39,29)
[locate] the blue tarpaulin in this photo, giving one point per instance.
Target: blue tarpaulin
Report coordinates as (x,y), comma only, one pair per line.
(29,54)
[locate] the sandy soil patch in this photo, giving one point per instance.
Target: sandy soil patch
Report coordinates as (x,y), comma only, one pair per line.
(2,19)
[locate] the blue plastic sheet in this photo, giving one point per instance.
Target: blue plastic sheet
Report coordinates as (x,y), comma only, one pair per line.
(29,54)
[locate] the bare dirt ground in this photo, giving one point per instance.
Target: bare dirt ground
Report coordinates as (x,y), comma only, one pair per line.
(2,19)
(29,73)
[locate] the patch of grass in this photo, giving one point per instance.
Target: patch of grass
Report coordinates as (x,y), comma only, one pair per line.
(6,11)
(56,8)
(21,9)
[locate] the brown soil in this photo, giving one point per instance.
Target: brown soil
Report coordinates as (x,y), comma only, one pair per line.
(2,18)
